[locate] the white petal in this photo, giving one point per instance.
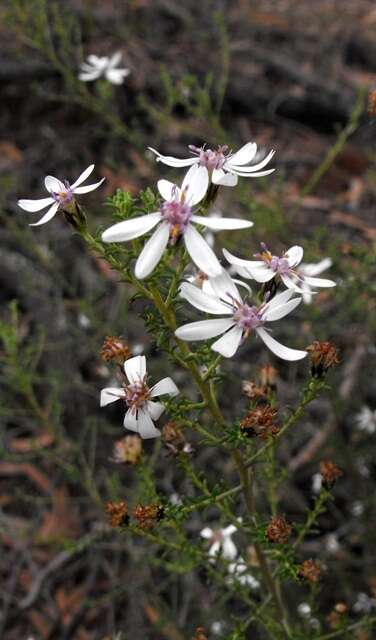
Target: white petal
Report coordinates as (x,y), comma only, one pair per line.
(145,425)
(173,162)
(319,282)
(222,223)
(245,154)
(111,394)
(261,274)
(53,184)
(130,420)
(168,190)
(228,549)
(315,269)
(97,61)
(279,349)
(89,187)
(214,549)
(47,216)
(135,369)
(129,229)
(290,283)
(155,409)
(228,344)
(224,287)
(276,313)
(241,262)
(200,252)
(152,252)
(228,531)
(223,179)
(255,167)
(115,59)
(294,255)
(202,301)
(89,77)
(195,183)
(116,76)
(279,299)
(204,329)
(207,533)
(35,205)
(85,174)
(164,386)
(259,174)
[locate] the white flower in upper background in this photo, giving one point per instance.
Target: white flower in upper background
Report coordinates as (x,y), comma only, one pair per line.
(364,604)
(244,318)
(316,482)
(222,166)
(221,542)
(138,396)
(366,420)
(239,572)
(96,66)
(285,267)
(61,195)
(174,220)
(311,270)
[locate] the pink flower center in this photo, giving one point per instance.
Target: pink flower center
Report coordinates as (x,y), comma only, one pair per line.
(65,196)
(178,214)
(136,395)
(247,317)
(209,158)
(277,264)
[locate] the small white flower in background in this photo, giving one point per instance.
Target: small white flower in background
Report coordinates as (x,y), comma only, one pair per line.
(366,420)
(138,396)
(357,508)
(364,604)
(222,166)
(243,321)
(174,219)
(316,483)
(304,610)
(217,627)
(220,542)
(332,544)
(239,572)
(311,270)
(267,266)
(96,66)
(62,194)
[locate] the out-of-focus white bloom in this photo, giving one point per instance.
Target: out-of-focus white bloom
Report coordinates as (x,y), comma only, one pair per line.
(312,270)
(174,219)
(332,544)
(222,166)
(96,66)
(239,572)
(220,542)
(316,482)
(142,409)
(366,420)
(268,266)
(175,499)
(364,604)
(243,319)
(304,610)
(357,508)
(61,195)
(84,321)
(217,627)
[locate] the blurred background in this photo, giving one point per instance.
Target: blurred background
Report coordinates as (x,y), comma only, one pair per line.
(289,74)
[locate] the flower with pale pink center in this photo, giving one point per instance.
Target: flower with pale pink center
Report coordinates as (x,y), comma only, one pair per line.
(244,319)
(61,195)
(175,220)
(220,541)
(139,398)
(285,267)
(222,166)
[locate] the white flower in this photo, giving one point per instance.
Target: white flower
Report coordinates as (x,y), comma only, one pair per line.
(316,482)
(142,410)
(244,318)
(174,219)
(304,610)
(364,604)
(220,542)
(366,420)
(95,67)
(238,571)
(61,195)
(268,266)
(310,270)
(222,167)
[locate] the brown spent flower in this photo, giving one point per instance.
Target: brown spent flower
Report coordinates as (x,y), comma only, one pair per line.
(128,450)
(335,617)
(310,570)
(372,103)
(253,391)
(323,355)
(260,422)
(200,634)
(117,513)
(278,530)
(266,383)
(330,473)
(116,349)
(148,515)
(268,376)
(173,439)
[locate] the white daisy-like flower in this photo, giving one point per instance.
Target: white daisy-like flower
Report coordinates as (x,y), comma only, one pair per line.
(62,194)
(139,398)
(221,542)
(175,219)
(222,166)
(96,66)
(366,420)
(239,572)
(244,318)
(268,266)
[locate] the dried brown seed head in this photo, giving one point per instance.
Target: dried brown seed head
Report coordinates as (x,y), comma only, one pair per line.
(116,349)
(278,530)
(310,570)
(323,355)
(117,513)
(260,422)
(330,473)
(148,515)
(200,634)
(128,450)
